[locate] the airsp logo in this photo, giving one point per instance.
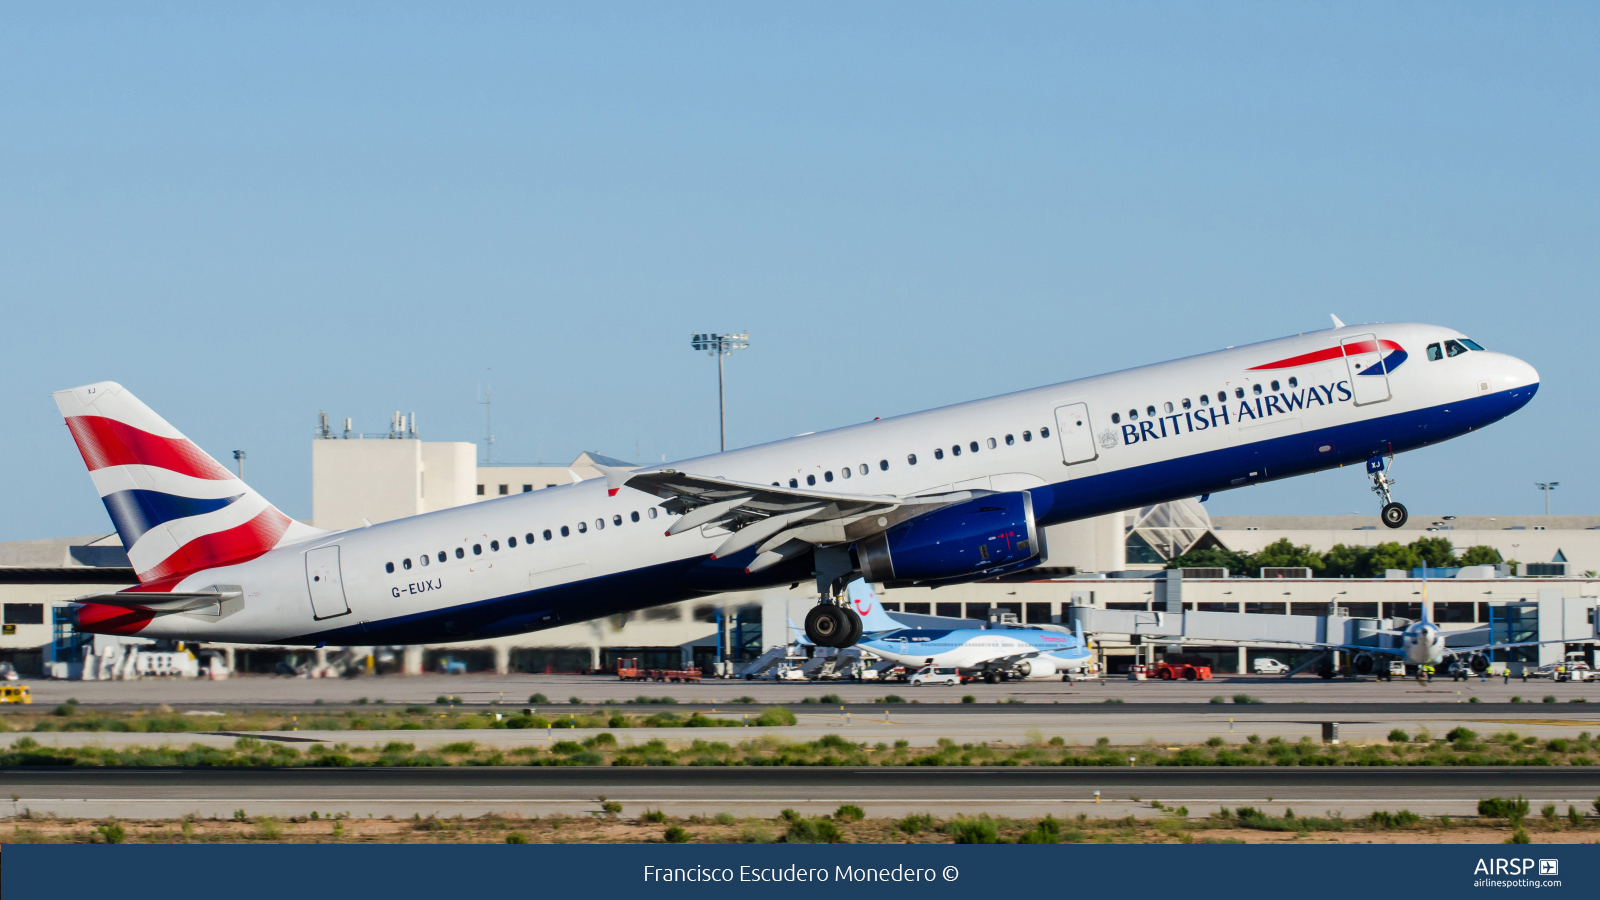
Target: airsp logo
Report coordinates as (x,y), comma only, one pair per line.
(1108,438)
(1549,867)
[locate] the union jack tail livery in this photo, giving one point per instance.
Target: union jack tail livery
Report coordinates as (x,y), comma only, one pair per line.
(177,510)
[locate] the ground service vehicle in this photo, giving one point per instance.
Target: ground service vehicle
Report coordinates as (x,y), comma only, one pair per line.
(1268,667)
(15,693)
(936,675)
(1182,671)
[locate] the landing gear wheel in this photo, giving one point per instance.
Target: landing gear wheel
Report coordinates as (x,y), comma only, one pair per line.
(853,629)
(825,625)
(1395,515)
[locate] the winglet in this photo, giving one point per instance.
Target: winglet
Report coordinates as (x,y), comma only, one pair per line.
(1336,322)
(615,477)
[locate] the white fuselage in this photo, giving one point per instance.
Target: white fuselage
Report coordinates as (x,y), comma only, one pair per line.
(1082,448)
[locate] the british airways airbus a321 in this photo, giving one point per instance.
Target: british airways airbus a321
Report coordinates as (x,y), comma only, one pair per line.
(940,497)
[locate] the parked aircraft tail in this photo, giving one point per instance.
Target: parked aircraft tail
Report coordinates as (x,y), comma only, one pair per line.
(873,616)
(176,509)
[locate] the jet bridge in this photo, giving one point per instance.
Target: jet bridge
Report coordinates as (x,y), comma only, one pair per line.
(1196,627)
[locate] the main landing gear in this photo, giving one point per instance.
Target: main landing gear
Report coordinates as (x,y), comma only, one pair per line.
(1393,514)
(830,624)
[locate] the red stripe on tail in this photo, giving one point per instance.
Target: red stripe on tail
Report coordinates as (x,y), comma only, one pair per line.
(99,618)
(236,545)
(106,442)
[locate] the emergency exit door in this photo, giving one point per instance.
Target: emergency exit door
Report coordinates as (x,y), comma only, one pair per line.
(1076,433)
(324,582)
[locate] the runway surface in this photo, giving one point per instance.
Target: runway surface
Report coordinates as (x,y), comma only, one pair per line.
(514,690)
(1023,791)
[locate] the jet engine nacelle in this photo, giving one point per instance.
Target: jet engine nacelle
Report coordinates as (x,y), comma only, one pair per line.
(983,535)
(1038,667)
(1479,663)
(1364,664)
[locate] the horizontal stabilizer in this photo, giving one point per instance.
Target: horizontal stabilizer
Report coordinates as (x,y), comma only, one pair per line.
(161,603)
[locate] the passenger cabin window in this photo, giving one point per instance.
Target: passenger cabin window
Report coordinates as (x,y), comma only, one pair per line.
(460,553)
(1133,415)
(828,475)
(405,563)
(424,559)
(866,468)
(1237,392)
(495,546)
(389,567)
(1274,384)
(1471,345)
(1150,411)
(1115,418)
(794,483)
(811,479)
(883,465)
(1452,348)
(973,446)
(1186,403)
(1205,399)
(547,534)
(477,549)
(1169,406)
(511,542)
(617,520)
(1010,440)
(583,527)
(599,524)
(651,512)
(1044,432)
(955,449)
(565,532)
(1293,382)
(939,453)
(529,537)
(1028,435)
(1256,388)
(845,472)
(634,516)
(442,556)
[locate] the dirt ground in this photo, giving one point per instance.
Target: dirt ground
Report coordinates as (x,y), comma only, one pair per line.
(727,829)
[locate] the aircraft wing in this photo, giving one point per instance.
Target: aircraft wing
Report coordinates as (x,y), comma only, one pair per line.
(778,521)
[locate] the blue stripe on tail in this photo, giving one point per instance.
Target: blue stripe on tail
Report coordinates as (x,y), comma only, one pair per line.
(137,511)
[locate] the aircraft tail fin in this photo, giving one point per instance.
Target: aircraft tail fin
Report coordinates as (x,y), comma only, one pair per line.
(176,509)
(873,616)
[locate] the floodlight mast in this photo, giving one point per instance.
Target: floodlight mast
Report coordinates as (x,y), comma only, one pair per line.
(1547,487)
(721,345)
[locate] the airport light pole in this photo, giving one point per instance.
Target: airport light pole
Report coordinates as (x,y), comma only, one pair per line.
(1547,487)
(721,345)
(238,458)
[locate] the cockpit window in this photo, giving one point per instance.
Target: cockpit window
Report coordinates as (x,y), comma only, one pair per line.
(1471,344)
(1435,353)
(1452,348)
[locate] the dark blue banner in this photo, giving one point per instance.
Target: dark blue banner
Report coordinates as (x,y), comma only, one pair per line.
(271,872)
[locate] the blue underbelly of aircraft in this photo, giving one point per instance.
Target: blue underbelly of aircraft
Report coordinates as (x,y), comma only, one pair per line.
(1093,495)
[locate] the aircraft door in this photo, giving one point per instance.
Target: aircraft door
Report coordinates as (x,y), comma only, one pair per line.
(1076,432)
(325,583)
(1369,376)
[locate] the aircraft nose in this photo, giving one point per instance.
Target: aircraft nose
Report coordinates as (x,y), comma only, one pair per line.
(1520,373)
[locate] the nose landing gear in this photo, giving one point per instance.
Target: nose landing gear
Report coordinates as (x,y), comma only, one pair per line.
(1393,514)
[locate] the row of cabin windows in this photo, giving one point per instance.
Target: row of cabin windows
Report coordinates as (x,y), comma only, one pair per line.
(505,489)
(1205,400)
(494,546)
(911,458)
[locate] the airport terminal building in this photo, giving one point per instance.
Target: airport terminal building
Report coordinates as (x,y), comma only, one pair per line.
(1115,563)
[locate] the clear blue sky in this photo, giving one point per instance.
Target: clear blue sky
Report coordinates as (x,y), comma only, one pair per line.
(247,214)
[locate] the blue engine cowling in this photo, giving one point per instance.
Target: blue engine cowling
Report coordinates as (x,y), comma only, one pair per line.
(984,536)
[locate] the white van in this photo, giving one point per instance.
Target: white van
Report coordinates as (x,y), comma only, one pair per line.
(936,675)
(1268,667)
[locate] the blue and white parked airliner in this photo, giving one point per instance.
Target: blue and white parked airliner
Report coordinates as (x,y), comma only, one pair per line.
(945,496)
